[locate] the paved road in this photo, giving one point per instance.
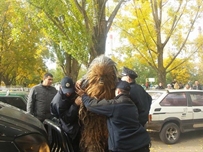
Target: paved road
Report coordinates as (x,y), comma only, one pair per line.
(189,142)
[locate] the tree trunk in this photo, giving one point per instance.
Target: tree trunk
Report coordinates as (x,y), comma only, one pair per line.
(71,67)
(161,71)
(99,34)
(98,47)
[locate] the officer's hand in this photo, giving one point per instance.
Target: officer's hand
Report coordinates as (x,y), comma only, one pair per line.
(78,100)
(78,83)
(79,91)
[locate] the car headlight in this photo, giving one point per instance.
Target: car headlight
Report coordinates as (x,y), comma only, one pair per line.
(32,143)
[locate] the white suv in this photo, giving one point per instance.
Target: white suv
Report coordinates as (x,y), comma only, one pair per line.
(174,112)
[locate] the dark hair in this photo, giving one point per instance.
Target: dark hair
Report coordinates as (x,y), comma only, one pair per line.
(48,74)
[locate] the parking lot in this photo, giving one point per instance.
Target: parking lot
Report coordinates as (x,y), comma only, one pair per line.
(189,142)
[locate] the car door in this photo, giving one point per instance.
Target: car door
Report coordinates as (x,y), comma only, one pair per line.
(175,106)
(197,109)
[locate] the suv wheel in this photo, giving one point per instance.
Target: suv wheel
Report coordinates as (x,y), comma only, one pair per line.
(170,133)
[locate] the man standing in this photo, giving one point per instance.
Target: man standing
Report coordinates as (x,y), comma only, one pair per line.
(139,96)
(40,97)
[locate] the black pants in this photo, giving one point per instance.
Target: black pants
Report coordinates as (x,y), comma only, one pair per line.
(143,149)
(75,143)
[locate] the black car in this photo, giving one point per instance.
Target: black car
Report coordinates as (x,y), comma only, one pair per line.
(20,131)
(15,98)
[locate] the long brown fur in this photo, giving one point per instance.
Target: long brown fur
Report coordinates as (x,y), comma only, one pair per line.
(101,79)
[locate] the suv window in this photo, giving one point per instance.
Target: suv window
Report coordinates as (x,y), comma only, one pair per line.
(174,99)
(14,101)
(197,99)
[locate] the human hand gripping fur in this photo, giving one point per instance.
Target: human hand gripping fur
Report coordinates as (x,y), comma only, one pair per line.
(78,83)
(79,91)
(78,101)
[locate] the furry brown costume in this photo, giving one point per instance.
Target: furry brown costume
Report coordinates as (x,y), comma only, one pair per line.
(99,82)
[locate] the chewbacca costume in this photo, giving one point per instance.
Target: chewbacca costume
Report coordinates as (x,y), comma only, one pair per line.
(99,82)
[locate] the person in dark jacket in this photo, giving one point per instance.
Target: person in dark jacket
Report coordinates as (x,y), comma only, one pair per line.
(160,86)
(126,134)
(197,86)
(40,97)
(138,95)
(65,108)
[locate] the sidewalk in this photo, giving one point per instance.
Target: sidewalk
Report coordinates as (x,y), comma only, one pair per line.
(189,142)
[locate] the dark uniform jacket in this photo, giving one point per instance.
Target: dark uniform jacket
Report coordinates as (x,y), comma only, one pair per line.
(142,100)
(65,109)
(197,87)
(39,100)
(125,132)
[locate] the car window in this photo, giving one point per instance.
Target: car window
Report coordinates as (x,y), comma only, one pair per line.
(197,99)
(155,95)
(14,101)
(174,99)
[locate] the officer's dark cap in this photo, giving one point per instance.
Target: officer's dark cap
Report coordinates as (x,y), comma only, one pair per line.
(128,72)
(123,85)
(67,85)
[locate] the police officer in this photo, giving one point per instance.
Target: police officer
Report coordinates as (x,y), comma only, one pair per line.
(65,108)
(126,134)
(139,96)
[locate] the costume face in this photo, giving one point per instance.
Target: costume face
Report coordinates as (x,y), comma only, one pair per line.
(48,81)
